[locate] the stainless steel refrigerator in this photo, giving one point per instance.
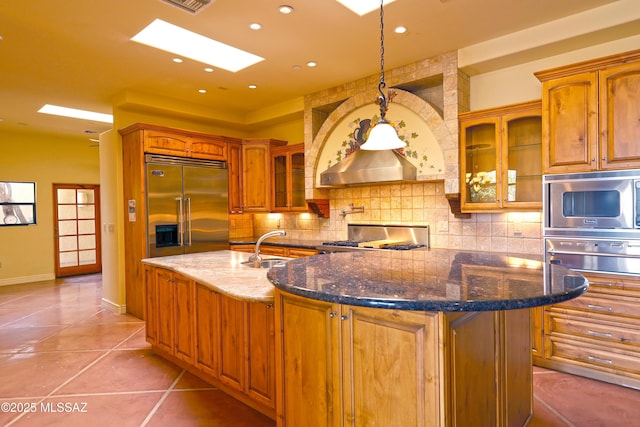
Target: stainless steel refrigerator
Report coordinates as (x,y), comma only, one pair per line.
(187,204)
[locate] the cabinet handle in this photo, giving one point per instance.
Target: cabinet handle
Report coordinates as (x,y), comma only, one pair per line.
(333,314)
(593,160)
(599,307)
(604,158)
(600,334)
(599,360)
(344,317)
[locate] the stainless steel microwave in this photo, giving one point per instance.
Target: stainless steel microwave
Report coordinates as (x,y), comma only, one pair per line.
(592,203)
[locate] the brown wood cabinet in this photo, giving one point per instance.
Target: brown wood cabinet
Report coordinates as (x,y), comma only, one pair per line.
(590,115)
(287,189)
(257,174)
(227,342)
(137,140)
(596,335)
(346,365)
(285,251)
(236,202)
(500,158)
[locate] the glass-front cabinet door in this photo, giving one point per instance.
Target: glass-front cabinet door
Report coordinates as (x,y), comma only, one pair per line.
(523,175)
(481,144)
(288,178)
(501,158)
(280,178)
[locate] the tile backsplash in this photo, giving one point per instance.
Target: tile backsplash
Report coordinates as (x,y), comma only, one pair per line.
(405,203)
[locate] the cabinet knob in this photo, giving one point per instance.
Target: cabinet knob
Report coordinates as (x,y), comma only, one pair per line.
(593,159)
(604,158)
(344,317)
(333,314)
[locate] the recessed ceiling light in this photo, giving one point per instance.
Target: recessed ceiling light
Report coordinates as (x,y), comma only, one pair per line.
(255,26)
(362,7)
(252,86)
(400,30)
(56,110)
(285,9)
(202,90)
(311,64)
(171,38)
(177,60)
(209,70)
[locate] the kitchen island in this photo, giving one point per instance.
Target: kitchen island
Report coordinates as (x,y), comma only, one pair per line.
(214,316)
(410,338)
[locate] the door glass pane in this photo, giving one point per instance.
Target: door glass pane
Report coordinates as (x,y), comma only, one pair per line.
(85,197)
(68,259)
(297,179)
(66,195)
(69,243)
(481,157)
(67,212)
(66,228)
(87,242)
(86,211)
(87,257)
(86,227)
(280,177)
(525,159)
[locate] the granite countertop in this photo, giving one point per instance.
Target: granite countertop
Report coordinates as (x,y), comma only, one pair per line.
(429,279)
(221,271)
(277,241)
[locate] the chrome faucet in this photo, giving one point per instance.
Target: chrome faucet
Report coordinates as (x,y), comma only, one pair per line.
(256,258)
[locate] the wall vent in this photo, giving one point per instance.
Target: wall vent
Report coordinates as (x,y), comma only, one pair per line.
(193,6)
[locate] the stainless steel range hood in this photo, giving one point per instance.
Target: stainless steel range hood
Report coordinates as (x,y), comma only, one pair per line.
(369,167)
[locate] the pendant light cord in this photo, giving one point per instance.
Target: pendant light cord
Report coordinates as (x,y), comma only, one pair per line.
(382,99)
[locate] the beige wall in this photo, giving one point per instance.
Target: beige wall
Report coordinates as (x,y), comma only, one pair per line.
(27,252)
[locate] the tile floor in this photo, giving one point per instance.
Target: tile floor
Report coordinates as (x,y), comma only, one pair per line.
(72,363)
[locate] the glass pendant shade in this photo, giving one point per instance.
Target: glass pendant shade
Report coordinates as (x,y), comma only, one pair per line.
(383,137)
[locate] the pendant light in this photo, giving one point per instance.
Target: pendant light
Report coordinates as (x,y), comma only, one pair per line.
(383,136)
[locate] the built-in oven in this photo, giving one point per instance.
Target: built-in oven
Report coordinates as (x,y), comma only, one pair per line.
(596,204)
(592,221)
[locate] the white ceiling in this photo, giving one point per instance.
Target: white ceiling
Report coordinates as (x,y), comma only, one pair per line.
(77,53)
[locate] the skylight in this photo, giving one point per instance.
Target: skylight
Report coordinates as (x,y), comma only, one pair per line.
(57,110)
(171,38)
(362,7)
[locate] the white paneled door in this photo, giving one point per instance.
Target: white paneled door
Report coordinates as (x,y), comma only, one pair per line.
(76,229)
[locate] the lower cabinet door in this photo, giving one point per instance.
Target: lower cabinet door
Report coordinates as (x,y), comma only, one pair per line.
(401,348)
(261,376)
(232,354)
(207,330)
(184,301)
(309,376)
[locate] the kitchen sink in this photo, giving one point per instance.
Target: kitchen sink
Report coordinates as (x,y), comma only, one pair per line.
(266,263)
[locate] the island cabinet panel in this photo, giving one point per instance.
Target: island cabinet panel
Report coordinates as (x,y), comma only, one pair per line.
(402,349)
(184,301)
(261,353)
(232,345)
(165,309)
(343,365)
(207,329)
(227,342)
(308,367)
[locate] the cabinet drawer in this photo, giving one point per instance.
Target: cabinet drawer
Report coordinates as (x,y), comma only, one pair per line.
(596,329)
(597,357)
(609,304)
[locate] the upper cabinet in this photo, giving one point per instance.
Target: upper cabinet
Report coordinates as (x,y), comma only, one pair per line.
(185,144)
(591,115)
(500,158)
(287,189)
(256,173)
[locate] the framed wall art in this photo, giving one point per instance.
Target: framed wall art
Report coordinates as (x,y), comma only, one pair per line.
(17,203)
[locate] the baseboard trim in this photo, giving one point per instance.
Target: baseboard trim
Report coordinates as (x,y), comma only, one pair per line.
(112,306)
(26,279)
